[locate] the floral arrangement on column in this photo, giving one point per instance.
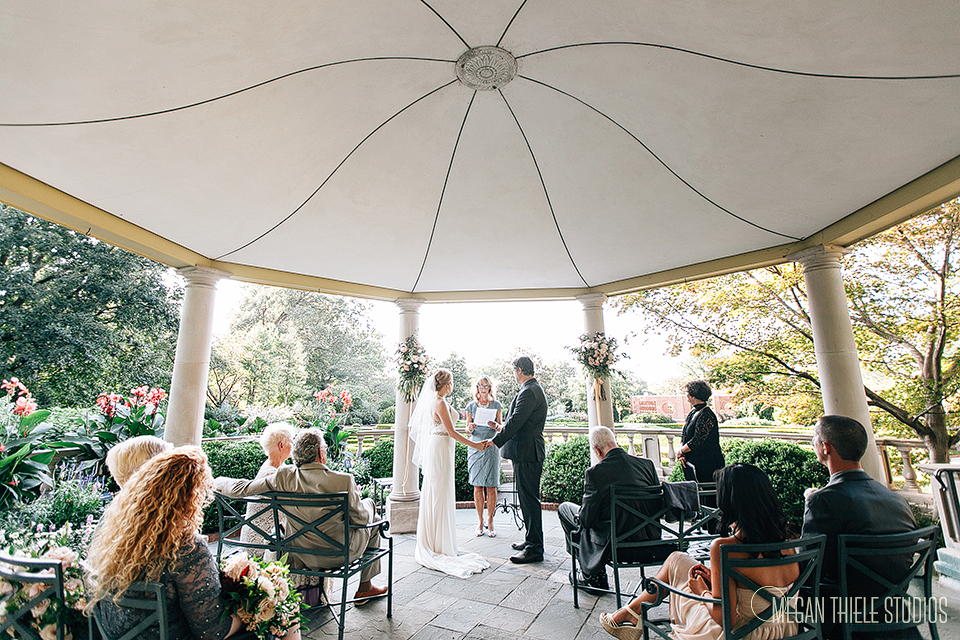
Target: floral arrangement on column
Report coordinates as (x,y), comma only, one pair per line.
(412,361)
(597,354)
(259,593)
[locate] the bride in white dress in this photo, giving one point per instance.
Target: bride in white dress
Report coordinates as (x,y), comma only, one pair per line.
(431,428)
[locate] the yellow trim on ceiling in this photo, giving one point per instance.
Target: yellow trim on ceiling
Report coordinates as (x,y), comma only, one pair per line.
(40,199)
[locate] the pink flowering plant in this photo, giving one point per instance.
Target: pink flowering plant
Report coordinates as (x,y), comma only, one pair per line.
(412,363)
(259,593)
(23,459)
(65,545)
(334,406)
(117,418)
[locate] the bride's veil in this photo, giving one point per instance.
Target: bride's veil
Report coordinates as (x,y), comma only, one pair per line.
(421,422)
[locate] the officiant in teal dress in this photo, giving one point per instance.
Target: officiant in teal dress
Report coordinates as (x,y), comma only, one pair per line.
(483,467)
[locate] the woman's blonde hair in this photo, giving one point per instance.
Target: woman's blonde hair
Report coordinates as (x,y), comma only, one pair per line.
(442,377)
(274,434)
(493,388)
(126,457)
(149,521)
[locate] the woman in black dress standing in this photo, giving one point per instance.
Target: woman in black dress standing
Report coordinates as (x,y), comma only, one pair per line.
(700,442)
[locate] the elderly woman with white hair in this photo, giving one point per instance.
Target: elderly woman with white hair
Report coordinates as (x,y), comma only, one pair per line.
(276,441)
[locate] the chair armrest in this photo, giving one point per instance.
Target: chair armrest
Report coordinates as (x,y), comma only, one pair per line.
(383,525)
(660,589)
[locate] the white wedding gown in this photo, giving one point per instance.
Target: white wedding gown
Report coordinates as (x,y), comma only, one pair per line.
(436,525)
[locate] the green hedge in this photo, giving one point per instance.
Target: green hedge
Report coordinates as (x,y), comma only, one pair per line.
(233,459)
(563,468)
(380,458)
(791,468)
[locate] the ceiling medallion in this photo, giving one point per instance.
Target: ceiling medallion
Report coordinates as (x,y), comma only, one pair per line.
(486,68)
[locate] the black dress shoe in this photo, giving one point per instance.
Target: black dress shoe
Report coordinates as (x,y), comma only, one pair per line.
(591,584)
(526,556)
(519,546)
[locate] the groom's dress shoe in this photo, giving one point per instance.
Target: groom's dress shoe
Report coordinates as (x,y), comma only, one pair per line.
(526,556)
(519,546)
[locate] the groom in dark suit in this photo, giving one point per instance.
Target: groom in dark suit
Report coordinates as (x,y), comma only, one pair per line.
(521,441)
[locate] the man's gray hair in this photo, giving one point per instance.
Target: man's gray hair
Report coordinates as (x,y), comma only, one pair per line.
(602,438)
(307,445)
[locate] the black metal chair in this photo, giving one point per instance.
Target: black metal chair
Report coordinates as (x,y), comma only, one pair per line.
(864,563)
(334,509)
(149,597)
(634,512)
(808,554)
(25,571)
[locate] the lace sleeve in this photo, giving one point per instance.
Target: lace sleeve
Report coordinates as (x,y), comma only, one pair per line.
(197,579)
(701,429)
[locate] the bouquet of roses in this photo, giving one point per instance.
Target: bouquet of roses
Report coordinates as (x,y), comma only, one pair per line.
(48,614)
(597,354)
(260,594)
(412,364)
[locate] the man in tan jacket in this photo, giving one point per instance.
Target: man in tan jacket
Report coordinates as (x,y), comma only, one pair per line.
(309,474)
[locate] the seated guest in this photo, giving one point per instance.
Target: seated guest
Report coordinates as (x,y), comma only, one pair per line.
(752,514)
(126,457)
(851,503)
(615,467)
(150,533)
(276,441)
(309,474)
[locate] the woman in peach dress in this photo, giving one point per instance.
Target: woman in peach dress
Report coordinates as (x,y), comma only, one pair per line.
(753,512)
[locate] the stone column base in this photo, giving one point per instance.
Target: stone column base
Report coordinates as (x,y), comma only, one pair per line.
(403,515)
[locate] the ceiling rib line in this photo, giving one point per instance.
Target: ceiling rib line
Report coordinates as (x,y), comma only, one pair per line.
(327,179)
(221,97)
(444,21)
(835,76)
(546,194)
(507,28)
(658,159)
(443,191)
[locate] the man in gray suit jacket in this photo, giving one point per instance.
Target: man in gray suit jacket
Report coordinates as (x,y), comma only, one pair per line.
(521,441)
(309,474)
(851,503)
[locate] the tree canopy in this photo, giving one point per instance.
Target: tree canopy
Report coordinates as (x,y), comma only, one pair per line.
(79,316)
(285,344)
(754,331)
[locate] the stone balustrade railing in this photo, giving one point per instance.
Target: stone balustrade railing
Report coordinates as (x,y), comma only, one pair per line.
(646,441)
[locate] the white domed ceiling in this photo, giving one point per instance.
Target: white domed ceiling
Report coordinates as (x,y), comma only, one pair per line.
(478,150)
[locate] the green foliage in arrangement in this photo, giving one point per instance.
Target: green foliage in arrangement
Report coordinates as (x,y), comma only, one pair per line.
(380,458)
(233,459)
(563,469)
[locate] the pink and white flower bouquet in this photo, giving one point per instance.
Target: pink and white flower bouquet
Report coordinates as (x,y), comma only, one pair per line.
(412,364)
(47,545)
(259,593)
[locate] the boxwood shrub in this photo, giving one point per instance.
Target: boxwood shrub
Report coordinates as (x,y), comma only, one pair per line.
(791,468)
(562,479)
(233,459)
(380,458)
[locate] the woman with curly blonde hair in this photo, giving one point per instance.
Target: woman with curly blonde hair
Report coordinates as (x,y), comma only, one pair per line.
(150,533)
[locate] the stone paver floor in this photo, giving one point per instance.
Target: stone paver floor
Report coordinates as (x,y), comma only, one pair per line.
(505,602)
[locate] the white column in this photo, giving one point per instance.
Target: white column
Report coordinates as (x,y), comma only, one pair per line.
(838,364)
(592,323)
(403,505)
(188,389)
